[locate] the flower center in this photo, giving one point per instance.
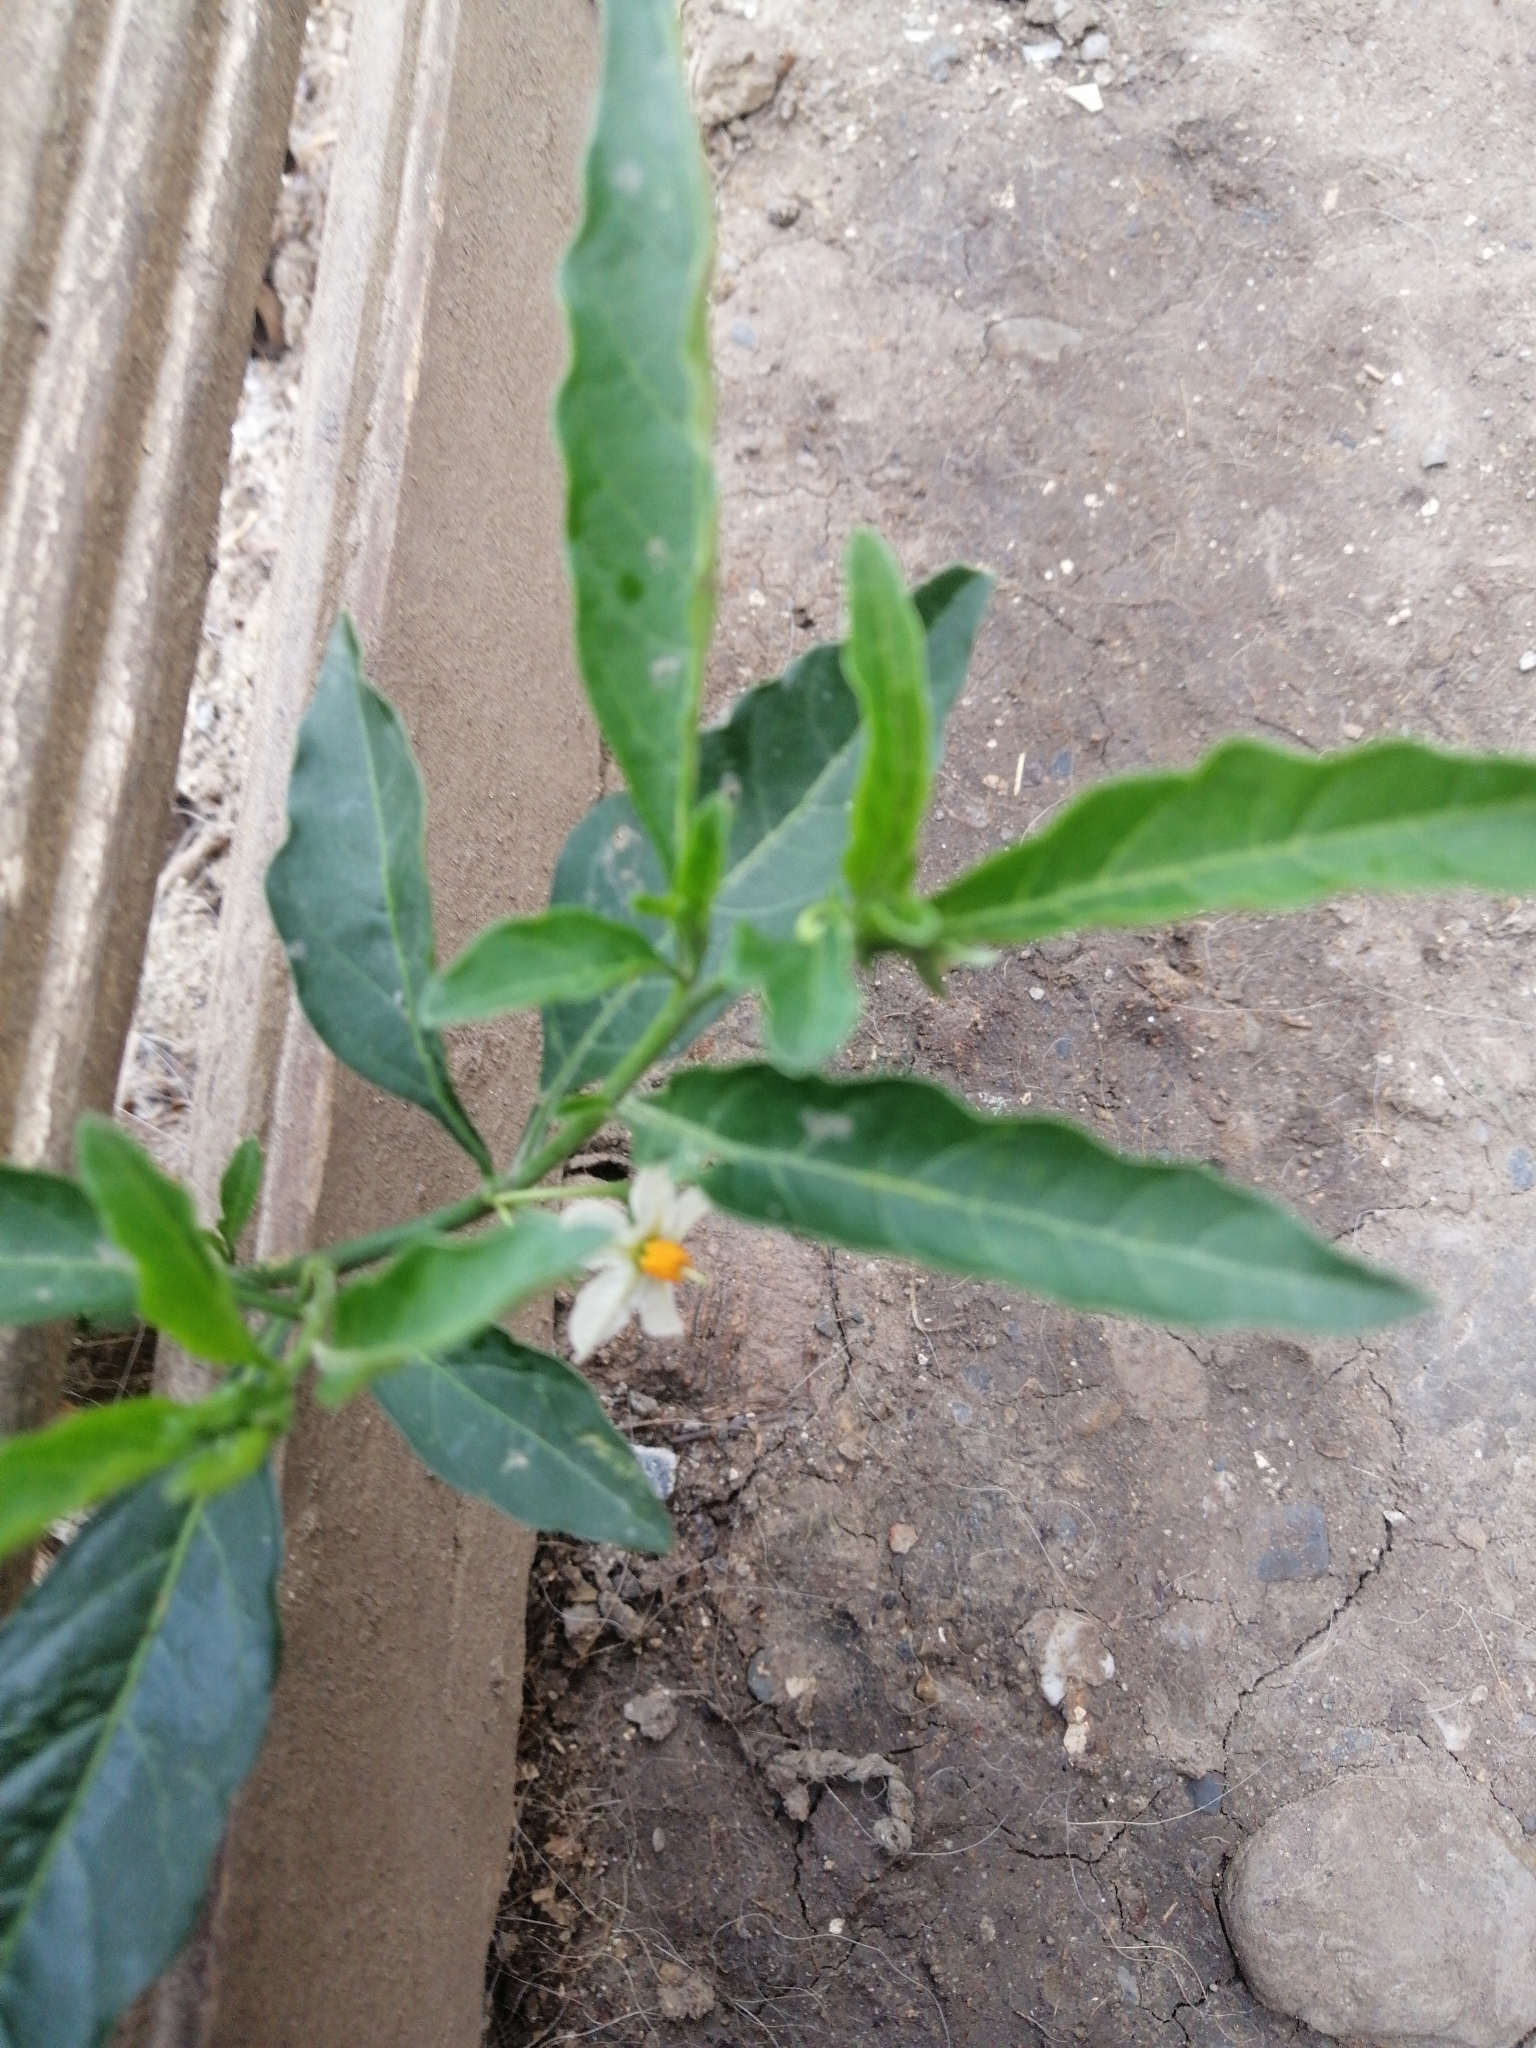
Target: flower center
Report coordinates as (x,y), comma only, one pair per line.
(661,1259)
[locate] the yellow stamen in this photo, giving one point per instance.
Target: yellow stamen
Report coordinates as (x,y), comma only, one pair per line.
(661,1259)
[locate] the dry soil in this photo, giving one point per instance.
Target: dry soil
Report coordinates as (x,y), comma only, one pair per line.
(1291,261)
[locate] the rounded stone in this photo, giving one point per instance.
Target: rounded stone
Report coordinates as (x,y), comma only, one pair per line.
(1389,1907)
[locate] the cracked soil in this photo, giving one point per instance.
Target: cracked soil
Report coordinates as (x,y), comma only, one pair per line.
(1296,249)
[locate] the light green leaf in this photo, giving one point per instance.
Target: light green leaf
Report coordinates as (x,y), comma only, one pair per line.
(238,1189)
(184,1286)
(134,1686)
(901,1168)
(1256,828)
(790,750)
(349,892)
(81,1459)
(807,986)
(566,956)
(55,1258)
(522,1430)
(885,662)
(635,417)
(445,1290)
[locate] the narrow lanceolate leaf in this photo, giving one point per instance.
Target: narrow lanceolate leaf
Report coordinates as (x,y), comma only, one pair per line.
(566,956)
(886,664)
(445,1290)
(524,1431)
(635,416)
(349,892)
(184,1286)
(134,1685)
(76,1462)
(238,1189)
(1256,828)
(55,1257)
(790,750)
(900,1167)
(807,988)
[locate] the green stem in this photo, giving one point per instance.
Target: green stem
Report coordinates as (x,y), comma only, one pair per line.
(254,1284)
(378,1244)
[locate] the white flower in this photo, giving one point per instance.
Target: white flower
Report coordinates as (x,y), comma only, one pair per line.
(636,1270)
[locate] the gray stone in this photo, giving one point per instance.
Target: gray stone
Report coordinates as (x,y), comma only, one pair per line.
(737,70)
(1095,48)
(1436,455)
(654,1713)
(659,1466)
(1076,22)
(1031,338)
(1292,1544)
(1389,1907)
(1522,1171)
(941,60)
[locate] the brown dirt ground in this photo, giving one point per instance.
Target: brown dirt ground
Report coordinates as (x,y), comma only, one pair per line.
(1297,246)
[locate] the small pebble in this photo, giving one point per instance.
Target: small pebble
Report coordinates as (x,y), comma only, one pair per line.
(1528,661)
(658,1840)
(641,1404)
(1095,47)
(1435,456)
(653,1713)
(1522,1171)
(1088,97)
(903,1535)
(783,213)
(743,335)
(659,1466)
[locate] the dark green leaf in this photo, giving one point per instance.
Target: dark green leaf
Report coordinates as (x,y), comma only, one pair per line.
(184,1286)
(55,1257)
(809,991)
(238,1190)
(134,1684)
(81,1459)
(635,417)
(446,1289)
(790,750)
(885,662)
(524,1431)
(1255,828)
(565,956)
(349,892)
(899,1167)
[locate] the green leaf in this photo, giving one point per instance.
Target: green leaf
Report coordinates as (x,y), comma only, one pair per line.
(184,1286)
(635,417)
(886,665)
(810,995)
(523,1431)
(790,751)
(55,1258)
(238,1190)
(134,1685)
(1256,828)
(446,1289)
(901,1168)
(81,1459)
(349,893)
(565,956)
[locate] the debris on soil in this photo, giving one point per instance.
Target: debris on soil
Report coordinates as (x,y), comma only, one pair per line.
(794,1771)
(653,1713)
(737,70)
(683,1994)
(902,1537)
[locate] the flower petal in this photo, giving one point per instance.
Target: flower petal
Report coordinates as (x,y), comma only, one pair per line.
(595,1215)
(602,1308)
(658,1308)
(650,1198)
(684,1211)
